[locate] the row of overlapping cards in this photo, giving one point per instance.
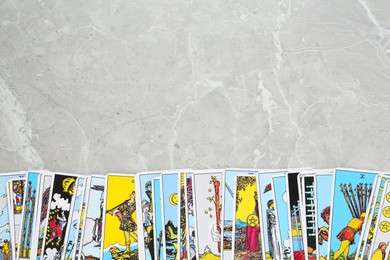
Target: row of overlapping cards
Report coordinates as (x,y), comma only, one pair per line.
(196,214)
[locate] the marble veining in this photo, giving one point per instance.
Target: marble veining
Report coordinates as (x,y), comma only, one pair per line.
(127,86)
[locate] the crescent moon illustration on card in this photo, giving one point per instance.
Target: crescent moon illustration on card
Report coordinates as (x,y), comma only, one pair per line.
(173,199)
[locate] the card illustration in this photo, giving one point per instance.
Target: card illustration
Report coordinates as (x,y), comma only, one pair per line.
(190,218)
(368,229)
(158,224)
(74,220)
(93,221)
(309,217)
(280,194)
(247,236)
(170,200)
(15,191)
(43,213)
(61,201)
(294,216)
(269,234)
(323,184)
(228,212)
(120,238)
(145,216)
(6,241)
(183,223)
(380,241)
(81,221)
(352,191)
(207,191)
(30,208)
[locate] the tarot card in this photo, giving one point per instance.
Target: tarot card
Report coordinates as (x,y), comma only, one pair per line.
(207,193)
(323,184)
(183,222)
(91,238)
(295,231)
(381,239)
(74,219)
(368,229)
(144,200)
(42,215)
(270,227)
(351,197)
(309,228)
(120,238)
(191,248)
(246,229)
(82,219)
(6,242)
(15,192)
(170,208)
(158,224)
(61,204)
(279,189)
(228,211)
(28,237)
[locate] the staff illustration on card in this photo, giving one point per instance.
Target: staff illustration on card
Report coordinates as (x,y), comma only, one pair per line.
(207,190)
(28,237)
(352,192)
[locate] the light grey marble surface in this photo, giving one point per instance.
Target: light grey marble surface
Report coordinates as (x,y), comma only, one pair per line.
(98,86)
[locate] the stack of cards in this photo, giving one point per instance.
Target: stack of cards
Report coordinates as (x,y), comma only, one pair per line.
(196,214)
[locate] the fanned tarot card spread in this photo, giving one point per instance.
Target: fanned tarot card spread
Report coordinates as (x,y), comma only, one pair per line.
(158,224)
(269,231)
(368,229)
(227,214)
(91,238)
(120,234)
(207,192)
(74,220)
(351,197)
(170,209)
(190,217)
(323,184)
(44,195)
(28,235)
(145,214)
(380,242)
(61,204)
(15,193)
(247,236)
(6,241)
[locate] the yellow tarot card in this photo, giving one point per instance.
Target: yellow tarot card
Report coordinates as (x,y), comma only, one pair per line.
(247,238)
(120,237)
